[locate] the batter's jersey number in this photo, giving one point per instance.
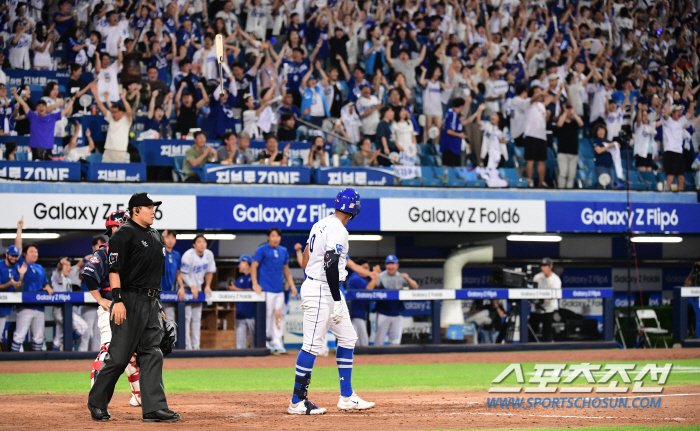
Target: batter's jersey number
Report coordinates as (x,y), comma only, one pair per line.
(311,243)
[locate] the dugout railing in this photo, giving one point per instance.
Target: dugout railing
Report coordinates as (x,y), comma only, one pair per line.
(522,296)
(436,296)
(683,297)
(69,299)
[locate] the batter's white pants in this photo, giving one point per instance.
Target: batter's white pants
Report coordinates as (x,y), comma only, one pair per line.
(169,310)
(391,324)
(274,330)
(193,323)
(79,325)
(103,325)
(317,303)
(243,328)
(360,326)
(29,319)
(89,313)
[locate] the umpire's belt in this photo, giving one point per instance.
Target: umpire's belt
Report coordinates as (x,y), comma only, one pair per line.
(152,293)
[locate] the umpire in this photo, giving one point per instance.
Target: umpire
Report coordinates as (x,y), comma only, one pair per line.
(136,265)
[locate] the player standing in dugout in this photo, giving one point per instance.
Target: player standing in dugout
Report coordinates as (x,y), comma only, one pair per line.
(136,265)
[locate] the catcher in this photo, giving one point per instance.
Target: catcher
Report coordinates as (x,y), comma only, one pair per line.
(95,273)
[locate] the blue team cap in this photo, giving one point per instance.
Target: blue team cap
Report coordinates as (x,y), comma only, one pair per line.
(245,258)
(185,18)
(391,259)
(12,250)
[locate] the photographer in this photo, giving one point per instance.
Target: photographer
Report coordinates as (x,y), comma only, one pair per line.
(543,310)
(317,154)
(694,276)
(488,314)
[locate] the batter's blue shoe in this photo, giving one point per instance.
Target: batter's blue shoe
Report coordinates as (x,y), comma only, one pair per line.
(305,407)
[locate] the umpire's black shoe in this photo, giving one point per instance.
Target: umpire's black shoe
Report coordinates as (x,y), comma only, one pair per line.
(98,415)
(164,415)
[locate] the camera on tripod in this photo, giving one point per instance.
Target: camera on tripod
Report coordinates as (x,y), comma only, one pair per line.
(517,278)
(514,277)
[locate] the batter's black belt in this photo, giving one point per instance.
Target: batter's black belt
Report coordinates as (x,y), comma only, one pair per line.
(151,293)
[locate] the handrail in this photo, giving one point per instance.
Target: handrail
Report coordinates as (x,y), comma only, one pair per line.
(313,126)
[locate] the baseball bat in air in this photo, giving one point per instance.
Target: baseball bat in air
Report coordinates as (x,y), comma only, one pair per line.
(220,57)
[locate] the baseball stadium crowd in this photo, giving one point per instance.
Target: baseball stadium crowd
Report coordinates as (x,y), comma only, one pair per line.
(572,93)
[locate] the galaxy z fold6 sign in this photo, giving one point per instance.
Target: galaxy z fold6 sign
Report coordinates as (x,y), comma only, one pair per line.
(462,215)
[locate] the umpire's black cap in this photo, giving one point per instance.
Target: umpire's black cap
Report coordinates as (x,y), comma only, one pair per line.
(142,200)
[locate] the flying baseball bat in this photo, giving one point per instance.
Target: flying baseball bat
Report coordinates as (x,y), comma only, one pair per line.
(220,58)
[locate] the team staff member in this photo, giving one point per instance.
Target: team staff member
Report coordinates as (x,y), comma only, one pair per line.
(544,312)
(198,268)
(11,274)
(269,271)
(136,265)
(61,282)
(172,277)
(358,307)
(95,276)
(389,313)
(11,278)
(88,311)
(35,280)
(245,323)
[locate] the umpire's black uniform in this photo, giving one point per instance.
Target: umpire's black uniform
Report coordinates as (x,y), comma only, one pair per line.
(138,255)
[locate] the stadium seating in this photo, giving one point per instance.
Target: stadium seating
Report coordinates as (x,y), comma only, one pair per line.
(430,177)
(178,173)
(636,181)
(511,175)
(94,158)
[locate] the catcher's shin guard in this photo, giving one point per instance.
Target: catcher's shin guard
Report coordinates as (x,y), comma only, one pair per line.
(97,364)
(132,374)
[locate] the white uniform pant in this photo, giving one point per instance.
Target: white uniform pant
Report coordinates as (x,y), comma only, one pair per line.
(360,326)
(103,325)
(26,319)
(3,321)
(169,310)
(243,328)
(391,324)
(89,314)
(79,325)
(274,313)
(317,303)
(193,323)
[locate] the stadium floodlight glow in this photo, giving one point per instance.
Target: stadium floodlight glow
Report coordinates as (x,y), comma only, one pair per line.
(365,237)
(46,235)
(209,237)
(534,238)
(657,239)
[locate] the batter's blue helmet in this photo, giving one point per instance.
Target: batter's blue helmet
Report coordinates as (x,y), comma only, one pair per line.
(348,201)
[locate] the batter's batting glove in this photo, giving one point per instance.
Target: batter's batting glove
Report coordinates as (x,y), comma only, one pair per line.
(338,310)
(169,337)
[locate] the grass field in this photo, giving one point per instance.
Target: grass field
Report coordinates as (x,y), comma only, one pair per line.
(417,377)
